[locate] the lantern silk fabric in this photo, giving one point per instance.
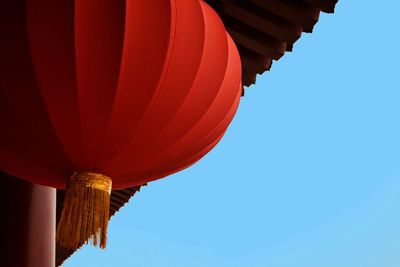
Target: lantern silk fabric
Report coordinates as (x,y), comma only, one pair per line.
(135,90)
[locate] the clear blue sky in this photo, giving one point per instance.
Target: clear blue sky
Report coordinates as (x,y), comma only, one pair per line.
(308,174)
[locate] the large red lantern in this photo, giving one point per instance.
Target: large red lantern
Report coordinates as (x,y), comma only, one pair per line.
(133,90)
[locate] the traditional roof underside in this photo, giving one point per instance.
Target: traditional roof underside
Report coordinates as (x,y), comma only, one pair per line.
(263,31)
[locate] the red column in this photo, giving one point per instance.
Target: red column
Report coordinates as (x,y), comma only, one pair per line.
(27,224)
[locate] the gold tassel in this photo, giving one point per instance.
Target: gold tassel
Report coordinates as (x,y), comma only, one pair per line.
(85,212)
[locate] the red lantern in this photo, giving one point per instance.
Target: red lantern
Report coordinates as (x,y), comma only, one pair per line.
(132,90)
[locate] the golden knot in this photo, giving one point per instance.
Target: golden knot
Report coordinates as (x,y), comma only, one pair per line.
(90,179)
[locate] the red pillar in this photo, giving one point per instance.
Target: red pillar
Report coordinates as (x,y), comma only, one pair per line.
(27,223)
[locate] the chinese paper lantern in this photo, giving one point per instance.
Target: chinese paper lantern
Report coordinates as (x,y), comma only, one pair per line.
(100,94)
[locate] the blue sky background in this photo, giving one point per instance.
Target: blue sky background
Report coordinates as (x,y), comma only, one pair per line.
(308,174)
